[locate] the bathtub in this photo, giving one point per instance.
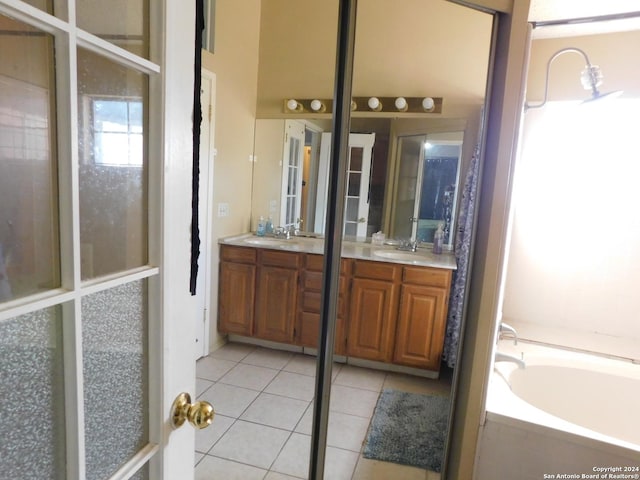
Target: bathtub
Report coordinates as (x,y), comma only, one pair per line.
(564,413)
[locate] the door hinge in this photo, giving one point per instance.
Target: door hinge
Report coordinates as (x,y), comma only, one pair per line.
(210,112)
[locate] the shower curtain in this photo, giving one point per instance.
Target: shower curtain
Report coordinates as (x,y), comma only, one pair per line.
(462,252)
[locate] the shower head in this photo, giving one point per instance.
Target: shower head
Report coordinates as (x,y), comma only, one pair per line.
(602,96)
(590,77)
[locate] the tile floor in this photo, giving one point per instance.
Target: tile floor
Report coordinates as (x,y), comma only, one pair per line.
(262,429)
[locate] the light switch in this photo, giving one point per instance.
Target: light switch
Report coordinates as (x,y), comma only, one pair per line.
(223,209)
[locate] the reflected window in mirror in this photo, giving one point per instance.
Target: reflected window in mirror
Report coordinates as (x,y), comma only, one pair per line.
(438,190)
(426,187)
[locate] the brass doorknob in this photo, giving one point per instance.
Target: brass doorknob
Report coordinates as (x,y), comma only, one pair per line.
(200,414)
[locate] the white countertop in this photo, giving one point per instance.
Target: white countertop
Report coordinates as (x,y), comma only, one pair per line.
(360,250)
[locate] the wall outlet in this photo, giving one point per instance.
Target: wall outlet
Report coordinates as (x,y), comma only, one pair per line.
(223,209)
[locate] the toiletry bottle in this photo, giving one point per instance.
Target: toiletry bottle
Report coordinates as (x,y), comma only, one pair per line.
(261,227)
(269,226)
(437,239)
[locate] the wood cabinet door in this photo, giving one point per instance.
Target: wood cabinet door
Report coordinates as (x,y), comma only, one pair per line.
(421,326)
(309,332)
(236,297)
(277,292)
(372,319)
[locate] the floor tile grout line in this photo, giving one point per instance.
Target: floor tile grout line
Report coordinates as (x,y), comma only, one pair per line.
(239,463)
(387,375)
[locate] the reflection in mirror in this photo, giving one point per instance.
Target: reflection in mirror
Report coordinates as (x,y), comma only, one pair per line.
(394,337)
(426,186)
(392,179)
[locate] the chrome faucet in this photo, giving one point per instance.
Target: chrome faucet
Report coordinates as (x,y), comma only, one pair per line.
(282,232)
(503,357)
(504,328)
(409,246)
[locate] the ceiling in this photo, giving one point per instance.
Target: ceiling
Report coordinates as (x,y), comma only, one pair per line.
(559,10)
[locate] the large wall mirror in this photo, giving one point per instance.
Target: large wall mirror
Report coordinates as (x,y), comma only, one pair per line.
(405,177)
(406,170)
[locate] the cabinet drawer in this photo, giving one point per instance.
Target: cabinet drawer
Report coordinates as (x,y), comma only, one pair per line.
(377,270)
(315,263)
(279,259)
(238,254)
(311,303)
(434,277)
(309,330)
(313,281)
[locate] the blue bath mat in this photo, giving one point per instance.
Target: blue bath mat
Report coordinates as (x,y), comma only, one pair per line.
(409,429)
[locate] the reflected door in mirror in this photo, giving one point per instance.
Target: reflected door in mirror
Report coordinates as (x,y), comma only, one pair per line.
(358,177)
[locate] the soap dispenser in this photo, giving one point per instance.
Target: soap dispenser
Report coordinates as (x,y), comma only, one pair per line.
(261,227)
(438,237)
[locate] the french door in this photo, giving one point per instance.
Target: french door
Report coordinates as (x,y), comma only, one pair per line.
(292,170)
(356,215)
(95,125)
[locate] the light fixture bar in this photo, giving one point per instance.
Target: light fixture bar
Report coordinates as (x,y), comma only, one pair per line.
(363,104)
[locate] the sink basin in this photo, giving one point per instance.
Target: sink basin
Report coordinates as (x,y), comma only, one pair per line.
(268,242)
(398,255)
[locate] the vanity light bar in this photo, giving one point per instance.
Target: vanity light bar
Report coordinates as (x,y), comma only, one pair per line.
(367,104)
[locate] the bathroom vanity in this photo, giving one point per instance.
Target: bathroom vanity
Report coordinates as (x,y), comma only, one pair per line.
(392,305)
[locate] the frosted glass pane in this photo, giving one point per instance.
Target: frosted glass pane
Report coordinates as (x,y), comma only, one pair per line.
(124,23)
(355,159)
(351,229)
(353,190)
(46,5)
(142,474)
(113,167)
(32,419)
(351,214)
(115,356)
(29,258)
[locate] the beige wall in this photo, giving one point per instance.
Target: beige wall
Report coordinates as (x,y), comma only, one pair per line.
(399,51)
(235,63)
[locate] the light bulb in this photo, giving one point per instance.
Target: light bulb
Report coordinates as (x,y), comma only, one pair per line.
(317,106)
(374,104)
(354,105)
(293,105)
(428,104)
(401,104)
(591,77)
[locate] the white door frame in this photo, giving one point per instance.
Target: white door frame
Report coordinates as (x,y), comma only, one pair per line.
(365,141)
(205,206)
(177,372)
